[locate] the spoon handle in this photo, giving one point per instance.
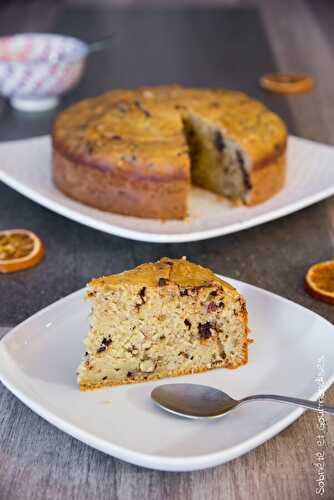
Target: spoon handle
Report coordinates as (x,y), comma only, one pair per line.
(311,405)
(104,43)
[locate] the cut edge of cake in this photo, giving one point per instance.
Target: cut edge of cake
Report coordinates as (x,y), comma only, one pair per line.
(218,163)
(162,319)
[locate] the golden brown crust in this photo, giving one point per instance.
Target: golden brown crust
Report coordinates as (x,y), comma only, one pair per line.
(179,272)
(134,140)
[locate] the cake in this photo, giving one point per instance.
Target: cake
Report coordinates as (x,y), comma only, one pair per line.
(136,152)
(162,319)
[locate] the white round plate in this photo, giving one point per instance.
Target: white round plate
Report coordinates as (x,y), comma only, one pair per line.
(38,360)
(26,167)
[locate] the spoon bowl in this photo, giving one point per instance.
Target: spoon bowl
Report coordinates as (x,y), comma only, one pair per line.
(193,400)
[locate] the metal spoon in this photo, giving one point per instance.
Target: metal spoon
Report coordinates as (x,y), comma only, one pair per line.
(201,401)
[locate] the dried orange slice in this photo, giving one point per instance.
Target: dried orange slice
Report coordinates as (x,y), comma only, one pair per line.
(287,83)
(19,249)
(319,281)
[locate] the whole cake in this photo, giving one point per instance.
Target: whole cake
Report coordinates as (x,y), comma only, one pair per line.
(136,152)
(162,319)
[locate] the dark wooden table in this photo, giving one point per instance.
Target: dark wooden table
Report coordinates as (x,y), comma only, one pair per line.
(228,47)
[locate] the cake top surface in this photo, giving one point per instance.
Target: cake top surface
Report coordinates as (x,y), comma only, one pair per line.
(166,271)
(141,130)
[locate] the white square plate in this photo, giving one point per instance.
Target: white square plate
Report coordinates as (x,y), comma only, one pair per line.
(38,360)
(26,167)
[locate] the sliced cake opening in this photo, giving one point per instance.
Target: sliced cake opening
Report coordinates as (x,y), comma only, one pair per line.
(159,321)
(217,162)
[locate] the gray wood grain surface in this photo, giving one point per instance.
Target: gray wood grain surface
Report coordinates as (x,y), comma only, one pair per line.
(37,461)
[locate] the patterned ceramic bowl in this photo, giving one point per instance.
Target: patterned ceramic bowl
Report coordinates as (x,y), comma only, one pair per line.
(35,69)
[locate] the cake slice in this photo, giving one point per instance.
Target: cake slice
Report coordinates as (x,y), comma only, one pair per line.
(159,320)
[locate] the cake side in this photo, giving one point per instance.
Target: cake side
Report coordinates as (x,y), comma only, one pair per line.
(111,192)
(267,180)
(164,319)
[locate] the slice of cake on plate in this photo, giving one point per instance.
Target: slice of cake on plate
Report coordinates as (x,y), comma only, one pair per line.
(159,320)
